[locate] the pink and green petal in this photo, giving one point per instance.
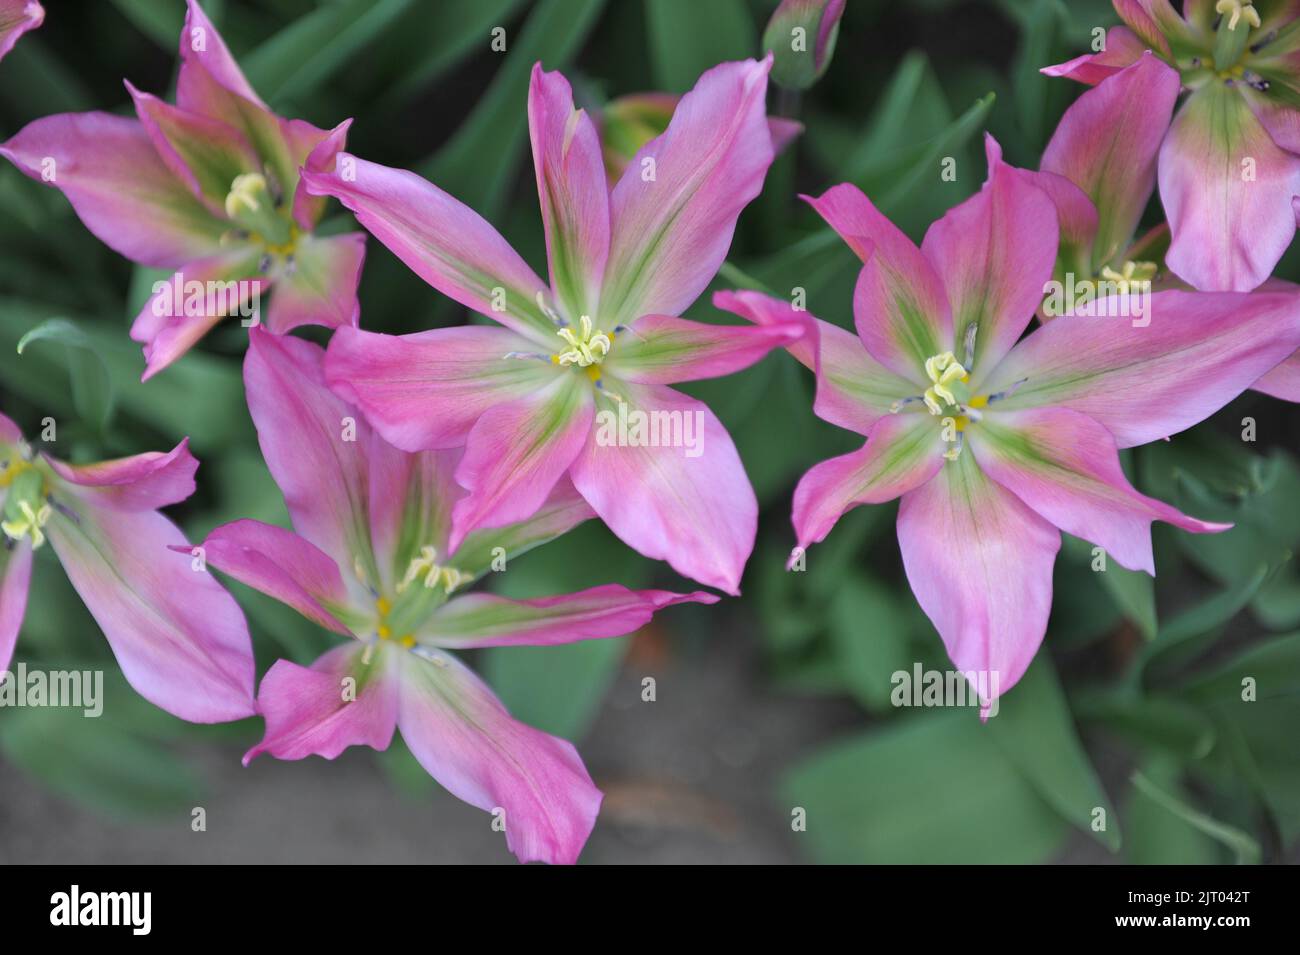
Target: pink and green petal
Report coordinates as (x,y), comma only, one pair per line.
(980,564)
(1227,189)
(121,190)
(1123,48)
(138,483)
(675,208)
(443,241)
(346,698)
(179,638)
(853,389)
(428,389)
(16,18)
(517,451)
(902,452)
(698,513)
(462,735)
(1107,144)
(663,350)
(202,46)
(486,620)
(1199,351)
(1065,466)
(996,252)
(282,565)
(411,496)
(15,581)
(573,193)
(320,288)
(307,209)
(1154,22)
(899,306)
(564,510)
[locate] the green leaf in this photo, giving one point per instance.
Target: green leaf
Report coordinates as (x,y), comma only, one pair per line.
(930,789)
(92,388)
(1273,667)
(1034,727)
(688,37)
(871,632)
(1242,845)
(556,689)
(426,46)
(1158,836)
(159,20)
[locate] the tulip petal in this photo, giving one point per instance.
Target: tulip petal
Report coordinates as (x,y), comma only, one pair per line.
(411,496)
(16,18)
(899,305)
(486,620)
(341,700)
(1066,467)
(853,389)
(123,193)
(282,565)
(980,564)
(564,510)
(1107,144)
(1198,352)
(202,46)
(687,502)
(517,451)
(443,241)
(180,639)
(675,207)
(138,483)
(428,389)
(462,735)
(572,189)
(1227,191)
(662,350)
(996,252)
(15,580)
(902,452)
(1123,48)
(321,289)
(1284,380)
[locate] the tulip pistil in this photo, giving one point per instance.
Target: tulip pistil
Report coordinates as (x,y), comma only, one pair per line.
(944,372)
(587,348)
(26,510)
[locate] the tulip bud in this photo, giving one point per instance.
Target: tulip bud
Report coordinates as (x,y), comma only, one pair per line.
(801,35)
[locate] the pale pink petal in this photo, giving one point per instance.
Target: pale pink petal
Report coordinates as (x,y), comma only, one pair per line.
(443,241)
(662,350)
(15,579)
(980,564)
(202,46)
(141,482)
(902,452)
(462,735)
(428,389)
(996,252)
(1197,352)
(486,620)
(675,207)
(307,208)
(16,18)
(1066,467)
(853,389)
(1123,48)
(107,167)
(686,501)
(564,510)
(1227,189)
(282,565)
(899,306)
(341,700)
(1284,380)
(517,451)
(320,288)
(572,190)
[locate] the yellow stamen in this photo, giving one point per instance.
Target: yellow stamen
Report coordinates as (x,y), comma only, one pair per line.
(979,401)
(31,522)
(427,566)
(383,605)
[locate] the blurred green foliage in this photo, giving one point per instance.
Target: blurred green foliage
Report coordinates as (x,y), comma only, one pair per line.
(1133,710)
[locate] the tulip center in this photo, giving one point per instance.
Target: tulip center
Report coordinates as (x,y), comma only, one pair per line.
(946,374)
(26,510)
(586,347)
(1235,11)
(397,618)
(251,205)
(1132,276)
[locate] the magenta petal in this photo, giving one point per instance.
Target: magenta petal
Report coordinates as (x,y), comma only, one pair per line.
(16,18)
(443,241)
(696,512)
(1197,352)
(202,46)
(15,579)
(564,510)
(902,452)
(462,735)
(282,565)
(307,208)
(1227,189)
(572,189)
(180,639)
(486,620)
(675,207)
(1284,380)
(853,389)
(321,288)
(996,252)
(980,564)
(1123,48)
(664,350)
(517,451)
(339,701)
(138,483)
(428,389)
(107,167)
(899,306)
(1066,467)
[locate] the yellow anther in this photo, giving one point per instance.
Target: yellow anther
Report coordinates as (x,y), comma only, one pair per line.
(979,401)
(31,522)
(383,605)
(585,349)
(384,632)
(246,194)
(944,370)
(14,469)
(427,566)
(1236,11)
(407,641)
